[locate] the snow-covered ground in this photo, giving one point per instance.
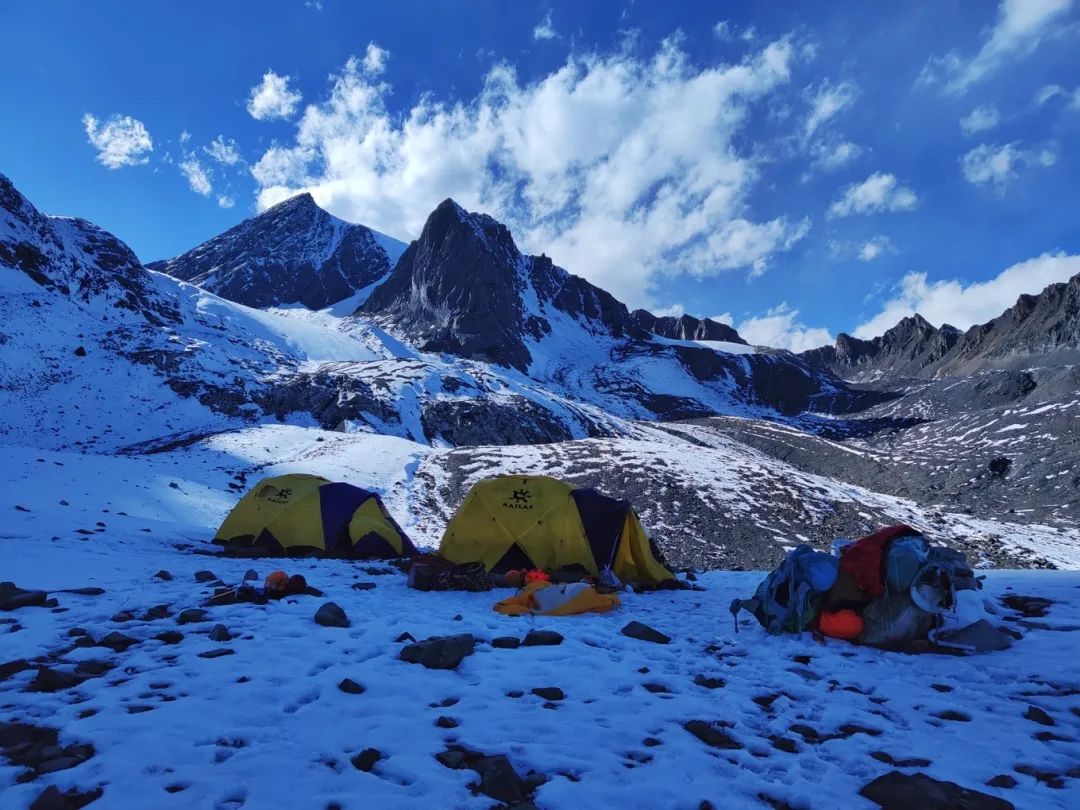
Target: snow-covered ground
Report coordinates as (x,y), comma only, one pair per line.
(267,725)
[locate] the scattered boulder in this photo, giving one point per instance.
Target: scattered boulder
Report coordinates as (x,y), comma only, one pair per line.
(351,687)
(499,780)
(708,682)
(889,759)
(331,615)
(549,692)
(999,465)
(220,633)
(13,668)
(1030,607)
(80,351)
(366,759)
(506,643)
(446,722)
(1037,715)
(13,597)
(1002,780)
(218,653)
(84,591)
(170,637)
(157,612)
(898,791)
(191,616)
(163,575)
(712,736)
(642,632)
(53,680)
(205,576)
(542,638)
(785,744)
(440,652)
(405,637)
(363,586)
(117,642)
(657,688)
(123,616)
(955,716)
(52,799)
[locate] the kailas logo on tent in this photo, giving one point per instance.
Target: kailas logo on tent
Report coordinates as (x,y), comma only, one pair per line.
(518,500)
(281,496)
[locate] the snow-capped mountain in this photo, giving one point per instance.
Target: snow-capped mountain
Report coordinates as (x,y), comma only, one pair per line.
(1042,328)
(292,253)
(685,327)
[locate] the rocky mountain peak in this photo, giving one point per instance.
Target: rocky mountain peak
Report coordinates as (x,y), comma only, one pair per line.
(686,327)
(294,252)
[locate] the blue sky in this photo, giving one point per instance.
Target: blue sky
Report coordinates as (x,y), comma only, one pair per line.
(800,168)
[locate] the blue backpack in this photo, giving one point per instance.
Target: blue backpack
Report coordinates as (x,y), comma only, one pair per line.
(788,600)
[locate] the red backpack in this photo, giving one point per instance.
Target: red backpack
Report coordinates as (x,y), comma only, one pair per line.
(864,560)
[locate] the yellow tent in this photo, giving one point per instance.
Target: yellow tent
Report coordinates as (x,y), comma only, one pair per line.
(309,515)
(540,522)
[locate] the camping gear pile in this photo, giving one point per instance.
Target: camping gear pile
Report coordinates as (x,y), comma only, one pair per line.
(890,589)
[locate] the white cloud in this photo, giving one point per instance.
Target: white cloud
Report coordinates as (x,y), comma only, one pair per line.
(723,31)
(998,165)
(120,141)
(829,157)
(780,328)
(878,192)
(980,119)
(872,248)
(185,136)
(272,98)
(196,175)
(1052,91)
(223,150)
(545,30)
(724,317)
(619,166)
(964,305)
(1020,27)
(225,201)
(827,101)
(673,311)
(315,4)
(375,59)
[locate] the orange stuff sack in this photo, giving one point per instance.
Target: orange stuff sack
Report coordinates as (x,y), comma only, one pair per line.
(845,624)
(276,582)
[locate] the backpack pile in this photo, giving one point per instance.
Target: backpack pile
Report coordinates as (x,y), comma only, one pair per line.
(891,589)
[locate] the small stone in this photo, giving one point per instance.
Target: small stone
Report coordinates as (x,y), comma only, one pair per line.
(366,759)
(651,742)
(139,709)
(453,759)
(220,633)
(205,576)
(117,642)
(643,632)
(657,688)
(330,615)
(157,612)
(363,586)
(498,779)
(785,744)
(541,638)
(405,637)
(53,680)
(13,597)
(1037,715)
(941,687)
(952,714)
(170,637)
(123,616)
(710,735)
(708,682)
(85,591)
(445,703)
(439,652)
(515,693)
(12,668)
(1002,780)
(911,762)
(191,616)
(549,692)
(163,575)
(74,632)
(446,722)
(93,669)
(506,643)
(250,575)
(349,686)
(85,641)
(218,653)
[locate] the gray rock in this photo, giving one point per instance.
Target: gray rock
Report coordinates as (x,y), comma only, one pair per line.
(349,686)
(163,575)
(53,680)
(498,779)
(898,791)
(13,597)
(220,633)
(191,616)
(218,653)
(440,652)
(205,576)
(250,575)
(549,692)
(541,638)
(366,759)
(643,632)
(711,735)
(117,642)
(170,637)
(330,615)
(506,643)
(1037,715)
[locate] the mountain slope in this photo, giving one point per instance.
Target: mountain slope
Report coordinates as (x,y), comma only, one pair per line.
(1043,329)
(294,252)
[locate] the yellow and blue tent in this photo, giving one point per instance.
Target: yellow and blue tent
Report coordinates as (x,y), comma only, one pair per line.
(540,522)
(307,515)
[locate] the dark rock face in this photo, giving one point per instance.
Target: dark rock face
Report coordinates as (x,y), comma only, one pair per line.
(685,327)
(906,350)
(77,259)
(293,252)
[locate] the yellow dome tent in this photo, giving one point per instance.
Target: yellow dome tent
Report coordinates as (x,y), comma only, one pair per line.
(540,522)
(306,515)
